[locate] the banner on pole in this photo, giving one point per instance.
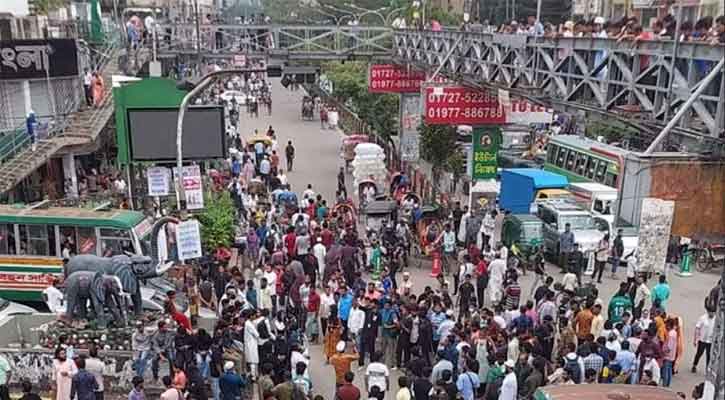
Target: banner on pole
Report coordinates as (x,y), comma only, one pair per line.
(486,142)
(410,119)
(655,223)
(188,240)
(192,184)
(158,181)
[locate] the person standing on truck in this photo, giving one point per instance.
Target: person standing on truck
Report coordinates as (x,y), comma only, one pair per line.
(566,246)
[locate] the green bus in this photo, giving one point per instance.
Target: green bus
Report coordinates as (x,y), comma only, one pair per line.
(32,239)
(585,160)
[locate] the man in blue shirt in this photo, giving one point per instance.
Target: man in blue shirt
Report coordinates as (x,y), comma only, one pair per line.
(661,292)
(467,383)
(625,358)
(84,383)
(231,383)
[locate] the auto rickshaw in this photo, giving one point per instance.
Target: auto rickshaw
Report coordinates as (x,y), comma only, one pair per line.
(287,200)
(363,189)
(348,148)
(428,227)
(523,230)
(252,140)
(257,187)
(379,212)
(347,212)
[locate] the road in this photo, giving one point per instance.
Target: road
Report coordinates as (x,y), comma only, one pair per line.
(317,163)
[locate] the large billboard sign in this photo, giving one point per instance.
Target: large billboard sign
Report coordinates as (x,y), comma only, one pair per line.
(152,134)
(458,105)
(391,78)
(38,58)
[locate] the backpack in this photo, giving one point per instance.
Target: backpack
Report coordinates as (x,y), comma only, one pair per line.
(262,330)
(572,367)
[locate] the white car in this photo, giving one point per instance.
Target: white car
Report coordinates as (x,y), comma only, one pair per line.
(9,308)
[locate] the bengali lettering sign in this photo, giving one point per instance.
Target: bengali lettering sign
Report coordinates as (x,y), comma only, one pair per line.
(158,181)
(38,58)
(486,142)
(192,184)
(188,240)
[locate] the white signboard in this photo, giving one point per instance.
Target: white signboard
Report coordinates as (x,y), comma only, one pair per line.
(188,240)
(522,111)
(193,192)
(654,233)
(158,181)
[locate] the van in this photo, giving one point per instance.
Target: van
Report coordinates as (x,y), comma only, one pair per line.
(555,214)
(599,199)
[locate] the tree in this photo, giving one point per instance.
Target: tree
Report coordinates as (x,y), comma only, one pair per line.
(217,221)
(44,7)
(437,146)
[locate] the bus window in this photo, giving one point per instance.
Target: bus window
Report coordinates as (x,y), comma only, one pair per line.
(610,179)
(115,242)
(570,158)
(40,240)
(7,239)
(68,239)
(551,153)
(591,167)
(581,163)
(601,170)
(561,157)
(86,240)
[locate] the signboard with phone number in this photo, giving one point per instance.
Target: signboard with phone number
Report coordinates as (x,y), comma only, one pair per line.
(461,106)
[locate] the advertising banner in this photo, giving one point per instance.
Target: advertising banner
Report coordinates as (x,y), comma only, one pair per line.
(655,224)
(391,78)
(158,181)
(410,119)
(457,105)
(486,142)
(192,184)
(38,58)
(188,239)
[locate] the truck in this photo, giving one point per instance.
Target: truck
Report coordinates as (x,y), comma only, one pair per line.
(599,199)
(483,195)
(522,187)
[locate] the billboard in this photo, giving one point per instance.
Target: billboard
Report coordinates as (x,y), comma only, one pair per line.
(391,78)
(152,133)
(38,58)
(458,105)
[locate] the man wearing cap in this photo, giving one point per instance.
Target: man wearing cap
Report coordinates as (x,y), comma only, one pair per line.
(509,387)
(230,384)
(341,362)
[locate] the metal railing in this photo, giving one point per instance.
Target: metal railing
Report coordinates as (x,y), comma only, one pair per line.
(629,79)
(291,41)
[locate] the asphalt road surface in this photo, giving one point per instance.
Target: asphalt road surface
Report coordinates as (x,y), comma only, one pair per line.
(317,163)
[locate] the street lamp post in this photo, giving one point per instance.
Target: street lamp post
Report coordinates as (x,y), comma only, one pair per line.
(204,83)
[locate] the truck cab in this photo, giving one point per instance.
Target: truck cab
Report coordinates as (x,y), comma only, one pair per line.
(555,214)
(599,199)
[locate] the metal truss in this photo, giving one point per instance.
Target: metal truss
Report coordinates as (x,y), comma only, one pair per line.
(629,79)
(299,42)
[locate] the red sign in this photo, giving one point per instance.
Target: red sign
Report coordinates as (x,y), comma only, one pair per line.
(391,78)
(461,106)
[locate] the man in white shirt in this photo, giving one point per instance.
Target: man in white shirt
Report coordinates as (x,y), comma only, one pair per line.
(703,338)
(95,366)
(308,193)
(509,387)
(320,252)
(377,375)
(355,322)
(87,80)
(54,298)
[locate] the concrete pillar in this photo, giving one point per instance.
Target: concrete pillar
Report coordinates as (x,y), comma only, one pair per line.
(69,175)
(27,101)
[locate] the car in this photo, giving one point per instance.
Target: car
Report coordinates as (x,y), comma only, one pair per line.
(555,214)
(604,392)
(9,308)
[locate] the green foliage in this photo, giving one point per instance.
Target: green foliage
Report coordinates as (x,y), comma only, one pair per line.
(43,7)
(217,221)
(438,144)
(611,130)
(349,81)
(444,17)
